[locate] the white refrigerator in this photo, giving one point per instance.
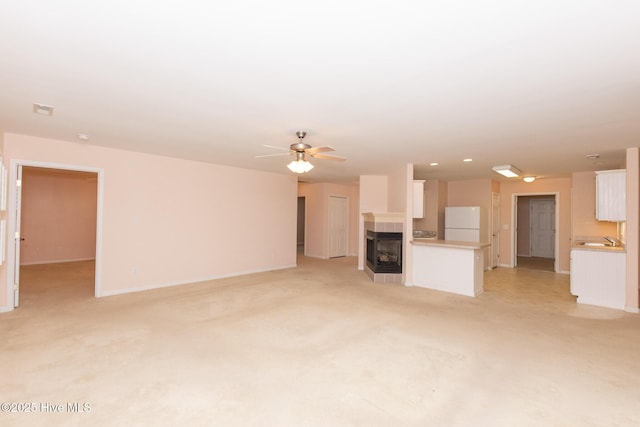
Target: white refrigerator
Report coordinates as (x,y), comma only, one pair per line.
(463,224)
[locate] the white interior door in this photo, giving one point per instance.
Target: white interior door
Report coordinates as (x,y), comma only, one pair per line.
(18,239)
(543,233)
(338,221)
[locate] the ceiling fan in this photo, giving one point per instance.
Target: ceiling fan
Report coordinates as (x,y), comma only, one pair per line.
(300,164)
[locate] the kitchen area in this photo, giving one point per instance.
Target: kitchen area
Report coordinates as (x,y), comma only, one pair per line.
(598,255)
(595,250)
(448,243)
(454,260)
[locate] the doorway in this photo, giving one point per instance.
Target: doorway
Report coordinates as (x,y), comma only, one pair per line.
(301,225)
(535,232)
(55,214)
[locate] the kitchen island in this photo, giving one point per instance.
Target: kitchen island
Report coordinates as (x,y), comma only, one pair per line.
(449,266)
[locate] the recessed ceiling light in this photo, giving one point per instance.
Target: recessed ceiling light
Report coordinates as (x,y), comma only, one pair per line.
(83,137)
(45,110)
(593,156)
(468,160)
(433,164)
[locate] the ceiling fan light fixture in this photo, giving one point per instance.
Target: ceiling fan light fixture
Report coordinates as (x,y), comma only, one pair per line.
(509,171)
(300,166)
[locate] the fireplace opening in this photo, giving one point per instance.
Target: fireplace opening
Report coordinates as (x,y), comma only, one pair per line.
(384,252)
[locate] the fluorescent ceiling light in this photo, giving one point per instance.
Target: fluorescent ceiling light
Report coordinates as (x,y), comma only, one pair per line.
(508,170)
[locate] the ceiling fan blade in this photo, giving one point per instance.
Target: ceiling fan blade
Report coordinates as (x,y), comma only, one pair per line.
(314,150)
(328,157)
(273,155)
(277,148)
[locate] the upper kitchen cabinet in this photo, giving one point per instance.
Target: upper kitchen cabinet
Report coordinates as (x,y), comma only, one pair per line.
(418,199)
(611,195)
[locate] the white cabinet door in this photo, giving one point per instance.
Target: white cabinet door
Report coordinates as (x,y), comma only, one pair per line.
(611,195)
(598,277)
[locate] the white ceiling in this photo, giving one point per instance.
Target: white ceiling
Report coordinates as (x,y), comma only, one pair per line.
(539,84)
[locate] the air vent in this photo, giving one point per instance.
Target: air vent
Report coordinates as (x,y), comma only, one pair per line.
(45,110)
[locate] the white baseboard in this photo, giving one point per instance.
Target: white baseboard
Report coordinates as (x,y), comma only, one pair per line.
(633,310)
(189,281)
(6,309)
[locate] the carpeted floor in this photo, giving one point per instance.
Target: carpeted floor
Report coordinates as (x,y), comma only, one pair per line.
(318,345)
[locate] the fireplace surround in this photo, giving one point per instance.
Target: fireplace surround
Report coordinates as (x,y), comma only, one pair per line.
(383,233)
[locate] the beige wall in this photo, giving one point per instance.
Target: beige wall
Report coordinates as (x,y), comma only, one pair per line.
(3,216)
(435,200)
(398,190)
(374,190)
(317,216)
(562,186)
(373,193)
(59,211)
(168,221)
(633,232)
(583,213)
(474,192)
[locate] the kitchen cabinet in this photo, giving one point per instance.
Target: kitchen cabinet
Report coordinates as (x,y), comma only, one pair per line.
(598,277)
(611,195)
(418,199)
(449,266)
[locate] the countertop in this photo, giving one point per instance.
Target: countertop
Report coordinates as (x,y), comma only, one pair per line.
(599,248)
(449,244)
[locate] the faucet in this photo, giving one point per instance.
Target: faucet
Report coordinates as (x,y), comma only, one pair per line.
(610,240)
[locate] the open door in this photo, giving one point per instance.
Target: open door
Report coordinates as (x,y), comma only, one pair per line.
(18,239)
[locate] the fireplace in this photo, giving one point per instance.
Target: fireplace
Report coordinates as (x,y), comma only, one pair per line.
(384,252)
(382,246)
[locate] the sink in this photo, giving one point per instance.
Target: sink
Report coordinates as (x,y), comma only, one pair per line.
(597,244)
(422,234)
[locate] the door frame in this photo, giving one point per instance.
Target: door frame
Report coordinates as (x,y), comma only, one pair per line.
(514,231)
(304,222)
(12,220)
(494,249)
